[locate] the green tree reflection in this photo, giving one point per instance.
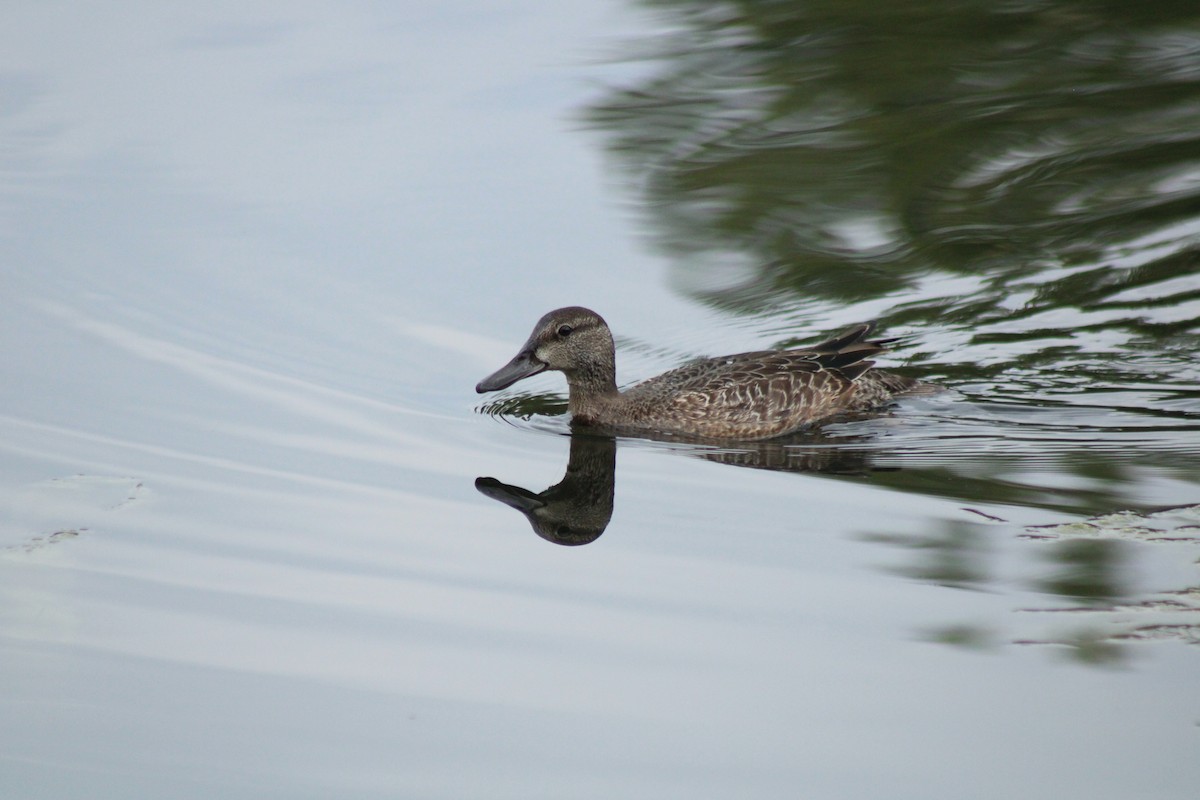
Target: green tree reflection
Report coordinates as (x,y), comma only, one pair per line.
(847,150)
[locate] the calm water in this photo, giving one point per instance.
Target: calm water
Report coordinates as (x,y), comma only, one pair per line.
(259,537)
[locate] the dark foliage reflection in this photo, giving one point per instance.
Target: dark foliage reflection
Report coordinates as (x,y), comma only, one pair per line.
(1025,174)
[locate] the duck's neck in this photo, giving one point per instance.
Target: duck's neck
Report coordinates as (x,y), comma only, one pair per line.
(592,390)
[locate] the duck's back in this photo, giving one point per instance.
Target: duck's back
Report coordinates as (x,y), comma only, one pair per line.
(766,393)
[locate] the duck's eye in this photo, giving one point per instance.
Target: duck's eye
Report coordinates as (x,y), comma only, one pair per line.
(564,331)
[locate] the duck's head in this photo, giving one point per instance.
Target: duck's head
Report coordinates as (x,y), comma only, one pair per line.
(572,340)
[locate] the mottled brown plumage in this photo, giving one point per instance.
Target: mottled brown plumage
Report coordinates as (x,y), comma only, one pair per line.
(744,396)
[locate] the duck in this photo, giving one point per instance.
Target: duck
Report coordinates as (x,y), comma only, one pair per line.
(745,396)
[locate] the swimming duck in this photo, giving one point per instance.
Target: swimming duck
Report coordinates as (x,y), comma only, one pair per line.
(745,396)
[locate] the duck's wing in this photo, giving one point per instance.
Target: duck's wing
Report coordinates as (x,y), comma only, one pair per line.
(715,374)
(762,393)
(856,334)
(747,395)
(845,357)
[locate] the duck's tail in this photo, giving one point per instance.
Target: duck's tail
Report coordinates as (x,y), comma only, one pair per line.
(849,351)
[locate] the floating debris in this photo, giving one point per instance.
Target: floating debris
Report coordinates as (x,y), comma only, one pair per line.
(1168,615)
(1179,524)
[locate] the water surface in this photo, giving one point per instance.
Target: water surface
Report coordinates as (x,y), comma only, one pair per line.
(256,258)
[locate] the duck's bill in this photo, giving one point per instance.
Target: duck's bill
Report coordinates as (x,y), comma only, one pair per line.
(523,500)
(524,364)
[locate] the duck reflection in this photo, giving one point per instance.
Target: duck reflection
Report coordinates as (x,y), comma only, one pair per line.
(577,509)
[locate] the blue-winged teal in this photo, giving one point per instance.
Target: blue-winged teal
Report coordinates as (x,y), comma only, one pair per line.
(745,396)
